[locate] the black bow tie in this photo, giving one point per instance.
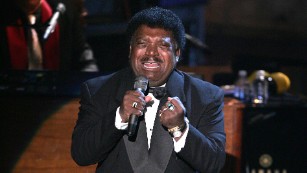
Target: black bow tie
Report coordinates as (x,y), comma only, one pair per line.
(158,92)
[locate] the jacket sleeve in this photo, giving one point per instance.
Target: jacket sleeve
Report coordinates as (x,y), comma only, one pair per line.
(205,144)
(95,134)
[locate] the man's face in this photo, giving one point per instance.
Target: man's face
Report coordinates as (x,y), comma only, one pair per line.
(153,54)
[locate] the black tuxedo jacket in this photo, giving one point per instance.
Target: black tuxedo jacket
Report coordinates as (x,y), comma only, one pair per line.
(96,139)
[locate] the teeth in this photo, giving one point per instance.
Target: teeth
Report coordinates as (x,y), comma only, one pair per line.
(151,65)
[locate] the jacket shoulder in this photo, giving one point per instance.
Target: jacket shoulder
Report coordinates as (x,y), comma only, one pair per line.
(107,82)
(94,84)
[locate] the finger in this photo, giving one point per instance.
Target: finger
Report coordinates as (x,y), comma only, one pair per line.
(161,111)
(138,103)
(148,99)
(134,101)
(177,103)
(135,93)
(137,113)
(174,100)
(170,106)
(170,98)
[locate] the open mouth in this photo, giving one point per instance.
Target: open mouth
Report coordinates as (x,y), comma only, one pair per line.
(151,65)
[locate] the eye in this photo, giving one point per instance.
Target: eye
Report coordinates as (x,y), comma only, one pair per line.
(141,43)
(165,45)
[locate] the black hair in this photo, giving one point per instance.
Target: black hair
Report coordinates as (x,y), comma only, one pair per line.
(157,17)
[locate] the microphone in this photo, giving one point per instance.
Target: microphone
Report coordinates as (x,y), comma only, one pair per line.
(60,9)
(140,84)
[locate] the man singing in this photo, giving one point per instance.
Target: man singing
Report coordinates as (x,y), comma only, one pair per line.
(180,127)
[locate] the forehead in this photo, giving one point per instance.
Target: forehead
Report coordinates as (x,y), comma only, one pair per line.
(145,31)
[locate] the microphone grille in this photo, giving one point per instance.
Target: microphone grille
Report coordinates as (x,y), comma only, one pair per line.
(61,8)
(141,83)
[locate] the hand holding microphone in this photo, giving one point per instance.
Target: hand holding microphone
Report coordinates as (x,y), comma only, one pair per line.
(133,104)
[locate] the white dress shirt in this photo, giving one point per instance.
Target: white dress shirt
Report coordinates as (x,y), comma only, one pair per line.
(150,116)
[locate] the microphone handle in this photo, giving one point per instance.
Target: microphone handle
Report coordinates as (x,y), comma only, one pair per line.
(132,125)
(52,25)
(133,122)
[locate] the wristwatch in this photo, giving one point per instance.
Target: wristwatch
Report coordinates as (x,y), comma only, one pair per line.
(177,130)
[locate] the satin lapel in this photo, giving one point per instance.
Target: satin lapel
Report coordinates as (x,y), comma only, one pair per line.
(137,150)
(175,86)
(161,146)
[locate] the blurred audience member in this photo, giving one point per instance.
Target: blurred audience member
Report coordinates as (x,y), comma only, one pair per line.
(23,24)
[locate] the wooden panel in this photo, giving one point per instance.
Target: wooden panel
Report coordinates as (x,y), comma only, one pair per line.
(49,151)
(233,114)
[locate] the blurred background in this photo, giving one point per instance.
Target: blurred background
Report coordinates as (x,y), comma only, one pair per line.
(39,108)
(249,35)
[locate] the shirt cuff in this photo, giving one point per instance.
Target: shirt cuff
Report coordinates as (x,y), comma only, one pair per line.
(178,145)
(118,121)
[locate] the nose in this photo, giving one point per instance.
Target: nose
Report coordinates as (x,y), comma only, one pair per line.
(152,50)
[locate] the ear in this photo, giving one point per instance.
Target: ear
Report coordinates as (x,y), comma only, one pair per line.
(177,53)
(130,51)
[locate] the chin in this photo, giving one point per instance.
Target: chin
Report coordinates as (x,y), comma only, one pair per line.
(156,82)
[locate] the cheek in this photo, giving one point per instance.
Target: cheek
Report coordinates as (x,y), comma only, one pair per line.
(134,57)
(170,60)
(136,53)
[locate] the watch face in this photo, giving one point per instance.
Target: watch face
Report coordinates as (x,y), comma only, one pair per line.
(177,133)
